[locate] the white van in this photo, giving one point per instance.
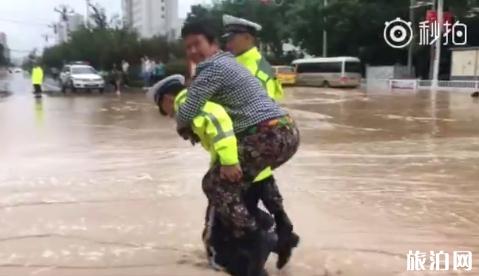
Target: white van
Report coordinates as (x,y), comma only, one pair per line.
(331,71)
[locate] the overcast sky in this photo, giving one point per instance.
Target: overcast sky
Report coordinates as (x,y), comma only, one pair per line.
(25,21)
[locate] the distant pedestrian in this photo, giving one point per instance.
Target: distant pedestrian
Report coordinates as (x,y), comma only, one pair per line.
(125,67)
(146,71)
(115,79)
(55,73)
(37,79)
(159,71)
(152,72)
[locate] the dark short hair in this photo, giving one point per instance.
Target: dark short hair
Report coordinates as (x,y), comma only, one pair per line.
(204,28)
(173,89)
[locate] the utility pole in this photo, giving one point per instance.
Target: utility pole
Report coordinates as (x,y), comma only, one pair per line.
(87,17)
(46,38)
(432,50)
(325,32)
(411,45)
(437,58)
(64,11)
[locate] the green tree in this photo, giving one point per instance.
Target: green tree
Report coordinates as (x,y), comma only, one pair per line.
(206,15)
(272,17)
(355,27)
(467,11)
(101,47)
(98,15)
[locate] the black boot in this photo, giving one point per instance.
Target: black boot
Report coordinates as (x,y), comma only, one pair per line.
(257,247)
(264,220)
(287,239)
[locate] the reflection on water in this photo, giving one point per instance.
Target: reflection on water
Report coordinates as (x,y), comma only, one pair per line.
(101,185)
(39,112)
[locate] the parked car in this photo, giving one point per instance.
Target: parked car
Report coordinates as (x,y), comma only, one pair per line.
(80,76)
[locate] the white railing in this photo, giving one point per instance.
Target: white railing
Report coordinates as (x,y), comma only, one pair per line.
(403,84)
(450,84)
(413,84)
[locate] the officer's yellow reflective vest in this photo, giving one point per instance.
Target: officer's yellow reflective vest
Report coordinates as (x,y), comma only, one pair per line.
(262,70)
(37,75)
(214,128)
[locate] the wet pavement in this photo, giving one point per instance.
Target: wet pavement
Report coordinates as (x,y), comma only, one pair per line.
(100,185)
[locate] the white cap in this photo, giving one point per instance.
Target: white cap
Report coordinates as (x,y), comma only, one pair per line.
(156,91)
(237,25)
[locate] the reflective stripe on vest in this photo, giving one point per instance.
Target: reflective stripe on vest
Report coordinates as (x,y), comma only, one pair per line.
(221,134)
(263,175)
(219,130)
(181,98)
(264,70)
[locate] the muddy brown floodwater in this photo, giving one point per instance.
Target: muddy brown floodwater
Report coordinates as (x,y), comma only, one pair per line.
(94,185)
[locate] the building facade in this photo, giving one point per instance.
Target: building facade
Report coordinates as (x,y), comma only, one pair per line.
(152,17)
(63,29)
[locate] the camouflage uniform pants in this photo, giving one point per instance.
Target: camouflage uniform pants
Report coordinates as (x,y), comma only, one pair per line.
(271,143)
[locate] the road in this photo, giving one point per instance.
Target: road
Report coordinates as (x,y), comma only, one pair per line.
(96,185)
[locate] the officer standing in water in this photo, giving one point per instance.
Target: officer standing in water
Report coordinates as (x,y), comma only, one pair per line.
(37,79)
(240,35)
(213,129)
(267,136)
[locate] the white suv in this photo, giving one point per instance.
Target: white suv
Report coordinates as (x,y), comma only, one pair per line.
(81,77)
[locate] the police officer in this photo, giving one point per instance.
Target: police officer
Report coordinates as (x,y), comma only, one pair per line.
(213,128)
(37,79)
(241,41)
(240,35)
(267,135)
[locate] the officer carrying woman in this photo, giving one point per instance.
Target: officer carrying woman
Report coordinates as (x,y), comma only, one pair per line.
(267,137)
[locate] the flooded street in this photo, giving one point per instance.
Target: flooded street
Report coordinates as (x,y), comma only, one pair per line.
(96,185)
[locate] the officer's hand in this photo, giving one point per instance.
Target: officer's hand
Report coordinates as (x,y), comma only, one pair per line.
(231,173)
(184,132)
(194,139)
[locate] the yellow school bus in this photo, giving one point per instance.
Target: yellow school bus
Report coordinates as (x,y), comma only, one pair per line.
(285,74)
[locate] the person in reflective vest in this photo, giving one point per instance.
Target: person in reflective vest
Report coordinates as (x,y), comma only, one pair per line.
(240,35)
(213,129)
(37,79)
